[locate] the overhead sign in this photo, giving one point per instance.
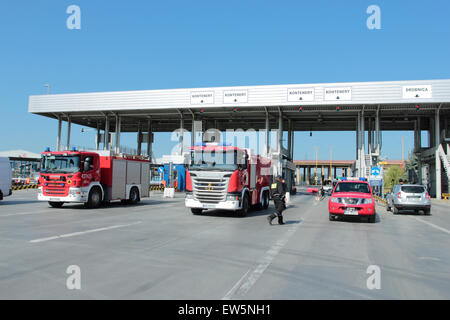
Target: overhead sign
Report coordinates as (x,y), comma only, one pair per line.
(202,97)
(375,171)
(235,96)
(338,94)
(300,94)
(417,92)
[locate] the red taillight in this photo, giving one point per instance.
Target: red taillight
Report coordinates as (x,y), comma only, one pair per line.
(399,195)
(427,196)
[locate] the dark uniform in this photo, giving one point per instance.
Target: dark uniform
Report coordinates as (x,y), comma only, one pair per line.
(278,194)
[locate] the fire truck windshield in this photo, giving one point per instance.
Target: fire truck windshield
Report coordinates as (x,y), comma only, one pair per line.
(213,160)
(60,164)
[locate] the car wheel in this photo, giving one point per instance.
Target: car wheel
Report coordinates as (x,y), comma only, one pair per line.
(55,204)
(395,210)
(387,207)
(330,217)
(427,212)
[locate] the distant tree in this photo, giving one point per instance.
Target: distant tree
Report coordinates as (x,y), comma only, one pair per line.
(392,176)
(412,168)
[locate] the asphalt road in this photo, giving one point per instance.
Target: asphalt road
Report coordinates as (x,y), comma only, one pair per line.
(158,250)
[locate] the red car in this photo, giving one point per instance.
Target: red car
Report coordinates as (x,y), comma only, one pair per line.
(352,197)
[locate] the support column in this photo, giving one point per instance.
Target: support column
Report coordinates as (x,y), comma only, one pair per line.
(280,143)
(363,146)
(106,134)
(267,134)
(437,140)
(118,125)
(69,129)
(58,138)
(358,140)
(97,140)
(298,176)
(139,139)
(378,133)
(335,172)
(149,140)
(181,134)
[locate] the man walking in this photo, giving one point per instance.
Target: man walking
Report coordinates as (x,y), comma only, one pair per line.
(278,193)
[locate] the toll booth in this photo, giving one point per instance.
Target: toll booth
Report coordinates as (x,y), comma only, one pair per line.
(176,174)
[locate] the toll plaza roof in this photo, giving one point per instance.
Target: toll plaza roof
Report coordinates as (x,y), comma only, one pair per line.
(321,106)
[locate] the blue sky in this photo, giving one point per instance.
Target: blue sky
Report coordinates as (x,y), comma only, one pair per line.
(133,45)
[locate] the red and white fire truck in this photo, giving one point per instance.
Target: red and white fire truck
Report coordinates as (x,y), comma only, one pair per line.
(92,178)
(226,177)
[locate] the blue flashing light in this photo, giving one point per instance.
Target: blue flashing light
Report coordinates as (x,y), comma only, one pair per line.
(47,149)
(74,149)
(362,179)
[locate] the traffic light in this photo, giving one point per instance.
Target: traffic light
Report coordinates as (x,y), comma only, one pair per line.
(300,108)
(202,110)
(417,107)
(338,108)
(235,110)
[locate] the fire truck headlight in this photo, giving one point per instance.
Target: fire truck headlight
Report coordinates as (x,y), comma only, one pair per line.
(232,198)
(74,191)
(40,190)
(189,196)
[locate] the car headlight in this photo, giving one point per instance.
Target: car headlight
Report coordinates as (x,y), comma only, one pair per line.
(335,200)
(368,201)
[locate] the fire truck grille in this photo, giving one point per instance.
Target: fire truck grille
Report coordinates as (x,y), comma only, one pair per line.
(55,189)
(208,190)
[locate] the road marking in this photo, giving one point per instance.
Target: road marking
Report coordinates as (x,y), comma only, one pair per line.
(83,232)
(249,279)
(433,225)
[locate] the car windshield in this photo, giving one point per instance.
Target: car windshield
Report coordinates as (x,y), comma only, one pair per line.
(60,164)
(413,189)
(352,187)
(212,160)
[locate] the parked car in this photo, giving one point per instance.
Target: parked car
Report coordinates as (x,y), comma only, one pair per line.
(5,178)
(409,197)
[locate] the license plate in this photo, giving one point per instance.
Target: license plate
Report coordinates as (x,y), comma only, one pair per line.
(55,199)
(209,206)
(351,212)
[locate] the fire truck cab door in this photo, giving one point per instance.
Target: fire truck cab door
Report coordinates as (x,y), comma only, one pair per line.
(252,168)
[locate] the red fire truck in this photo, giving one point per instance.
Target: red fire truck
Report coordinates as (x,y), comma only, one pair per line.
(225,177)
(92,178)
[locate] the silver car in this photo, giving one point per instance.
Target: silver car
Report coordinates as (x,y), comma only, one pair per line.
(409,197)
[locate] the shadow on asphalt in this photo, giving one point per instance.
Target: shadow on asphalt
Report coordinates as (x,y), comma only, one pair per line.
(356,219)
(14,202)
(114,204)
(292,222)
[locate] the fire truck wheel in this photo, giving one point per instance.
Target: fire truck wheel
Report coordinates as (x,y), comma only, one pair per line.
(55,204)
(266,200)
(134,196)
(245,207)
(95,198)
(196,211)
